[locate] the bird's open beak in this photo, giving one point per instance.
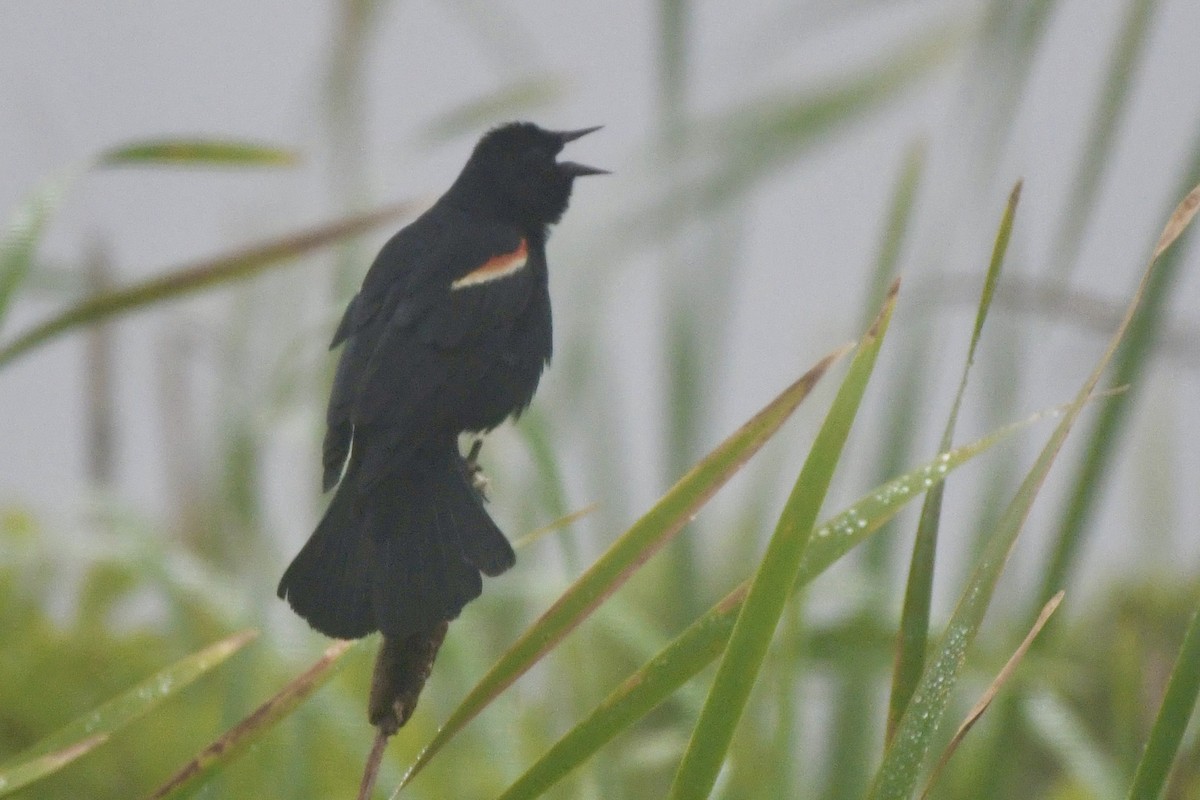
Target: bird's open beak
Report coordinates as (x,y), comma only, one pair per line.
(570,136)
(578,170)
(572,168)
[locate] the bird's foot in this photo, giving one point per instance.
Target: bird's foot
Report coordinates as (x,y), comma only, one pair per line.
(478,479)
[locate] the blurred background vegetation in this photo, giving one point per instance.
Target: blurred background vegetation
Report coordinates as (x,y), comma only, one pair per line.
(776,163)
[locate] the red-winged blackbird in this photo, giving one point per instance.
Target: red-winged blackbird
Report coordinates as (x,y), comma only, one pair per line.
(449,333)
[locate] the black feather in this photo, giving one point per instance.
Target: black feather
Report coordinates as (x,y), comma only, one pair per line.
(404,540)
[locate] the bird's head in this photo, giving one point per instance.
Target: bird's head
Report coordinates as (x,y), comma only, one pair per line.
(514,170)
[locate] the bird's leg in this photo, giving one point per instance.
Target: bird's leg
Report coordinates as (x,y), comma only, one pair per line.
(478,480)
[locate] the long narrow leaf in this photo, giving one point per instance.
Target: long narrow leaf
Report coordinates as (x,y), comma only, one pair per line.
(192,775)
(1096,156)
(1006,50)
(20,237)
(519,98)
(901,211)
(851,753)
(993,689)
(1132,360)
(896,447)
(897,775)
(23,231)
(627,554)
(20,775)
(756,623)
(1178,706)
(93,728)
(705,639)
(914,618)
(1079,751)
(205,274)
(765,134)
(198,152)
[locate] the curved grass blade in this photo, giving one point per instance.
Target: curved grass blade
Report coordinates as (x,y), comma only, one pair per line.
(993,689)
(758,138)
(192,775)
(565,521)
(1131,362)
(1178,706)
(1081,755)
(1005,51)
(912,641)
(27,772)
(897,775)
(205,274)
(90,730)
(1102,134)
(851,756)
(516,100)
(627,554)
(197,152)
(705,639)
(23,231)
(901,211)
(777,572)
(1179,221)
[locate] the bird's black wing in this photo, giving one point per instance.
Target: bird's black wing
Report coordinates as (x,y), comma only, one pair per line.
(412,333)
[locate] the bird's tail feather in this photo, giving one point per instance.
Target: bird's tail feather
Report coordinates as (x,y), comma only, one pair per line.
(401,558)
(326,582)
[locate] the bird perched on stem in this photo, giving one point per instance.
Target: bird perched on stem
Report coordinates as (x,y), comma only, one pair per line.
(449,333)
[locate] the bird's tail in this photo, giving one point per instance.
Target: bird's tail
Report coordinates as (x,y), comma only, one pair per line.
(401,558)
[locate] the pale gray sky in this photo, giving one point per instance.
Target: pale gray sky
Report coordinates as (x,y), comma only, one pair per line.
(76,78)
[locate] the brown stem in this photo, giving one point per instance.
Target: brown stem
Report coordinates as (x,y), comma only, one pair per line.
(401,669)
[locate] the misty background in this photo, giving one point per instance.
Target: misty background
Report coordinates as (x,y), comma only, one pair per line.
(757,150)
(395,117)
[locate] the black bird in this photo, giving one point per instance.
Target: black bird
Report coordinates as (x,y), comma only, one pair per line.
(449,333)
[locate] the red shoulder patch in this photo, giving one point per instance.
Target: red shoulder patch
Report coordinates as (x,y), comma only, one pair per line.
(495,267)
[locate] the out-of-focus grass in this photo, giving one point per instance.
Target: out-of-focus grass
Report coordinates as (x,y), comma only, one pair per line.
(1073,719)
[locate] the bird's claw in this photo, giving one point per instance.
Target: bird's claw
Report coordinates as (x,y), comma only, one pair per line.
(479,481)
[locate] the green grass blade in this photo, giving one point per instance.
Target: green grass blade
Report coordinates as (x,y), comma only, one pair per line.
(23,231)
(757,139)
(565,521)
(912,641)
(1132,360)
(901,210)
(1006,49)
(626,555)
(1067,737)
(706,638)
(88,731)
(195,277)
(896,447)
(1178,706)
(197,152)
(21,775)
(772,584)
(1102,132)
(897,776)
(518,99)
(192,775)
(985,701)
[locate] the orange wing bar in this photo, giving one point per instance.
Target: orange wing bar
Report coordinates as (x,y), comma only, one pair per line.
(495,267)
